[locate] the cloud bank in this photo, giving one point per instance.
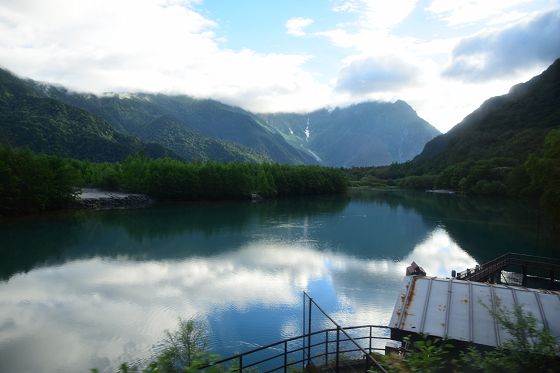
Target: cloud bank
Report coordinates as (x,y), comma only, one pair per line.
(367,75)
(497,54)
(357,50)
(149,45)
(460,12)
(295,26)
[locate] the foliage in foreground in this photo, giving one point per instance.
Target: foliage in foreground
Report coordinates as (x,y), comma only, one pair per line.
(529,349)
(183,350)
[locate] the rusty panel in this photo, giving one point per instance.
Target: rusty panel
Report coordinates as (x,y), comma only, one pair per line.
(400,303)
(413,310)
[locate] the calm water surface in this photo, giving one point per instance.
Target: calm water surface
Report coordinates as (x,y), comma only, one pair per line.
(94,289)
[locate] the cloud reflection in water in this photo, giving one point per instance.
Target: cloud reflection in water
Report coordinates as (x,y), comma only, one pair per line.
(99,312)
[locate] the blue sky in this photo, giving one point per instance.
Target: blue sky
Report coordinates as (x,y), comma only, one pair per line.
(444,57)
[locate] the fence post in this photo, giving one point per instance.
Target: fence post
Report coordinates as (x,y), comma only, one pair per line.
(337,347)
(285,356)
(524,272)
(309,333)
(303,334)
(326,348)
(370,336)
(240,363)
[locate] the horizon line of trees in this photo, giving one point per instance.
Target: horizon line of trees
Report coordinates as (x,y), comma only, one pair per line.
(31,182)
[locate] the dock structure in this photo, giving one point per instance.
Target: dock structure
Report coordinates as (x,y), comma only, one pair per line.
(457,309)
(528,270)
(463,311)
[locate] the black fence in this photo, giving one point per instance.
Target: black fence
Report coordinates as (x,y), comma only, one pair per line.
(329,345)
(320,348)
(517,269)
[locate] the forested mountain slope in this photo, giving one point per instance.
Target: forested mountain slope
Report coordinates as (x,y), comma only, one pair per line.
(203,128)
(49,126)
(513,125)
(366,134)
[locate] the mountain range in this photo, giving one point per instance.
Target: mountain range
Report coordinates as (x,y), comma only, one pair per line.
(52,119)
(366,134)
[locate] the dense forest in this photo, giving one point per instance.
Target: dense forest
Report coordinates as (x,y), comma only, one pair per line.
(31,182)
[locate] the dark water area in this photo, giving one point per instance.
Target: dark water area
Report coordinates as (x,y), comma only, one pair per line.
(96,288)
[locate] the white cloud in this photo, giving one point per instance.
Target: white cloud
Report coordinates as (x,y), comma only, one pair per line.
(372,74)
(295,26)
(146,45)
(433,96)
(378,15)
(169,46)
(492,55)
(460,12)
(370,33)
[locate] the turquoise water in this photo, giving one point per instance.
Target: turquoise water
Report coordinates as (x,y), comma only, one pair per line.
(93,289)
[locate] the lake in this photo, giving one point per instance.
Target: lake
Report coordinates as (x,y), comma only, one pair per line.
(89,289)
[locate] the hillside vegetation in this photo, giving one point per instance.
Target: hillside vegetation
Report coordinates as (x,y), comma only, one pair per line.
(202,129)
(49,126)
(510,146)
(371,133)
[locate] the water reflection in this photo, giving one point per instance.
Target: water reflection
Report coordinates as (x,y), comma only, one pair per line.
(110,310)
(176,231)
(97,288)
(484,227)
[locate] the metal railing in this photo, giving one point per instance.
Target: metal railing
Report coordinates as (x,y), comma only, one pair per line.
(280,356)
(335,348)
(528,266)
(342,335)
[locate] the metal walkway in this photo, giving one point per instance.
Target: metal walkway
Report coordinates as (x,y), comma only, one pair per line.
(546,270)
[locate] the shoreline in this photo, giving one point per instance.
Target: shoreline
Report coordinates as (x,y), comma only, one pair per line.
(99,199)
